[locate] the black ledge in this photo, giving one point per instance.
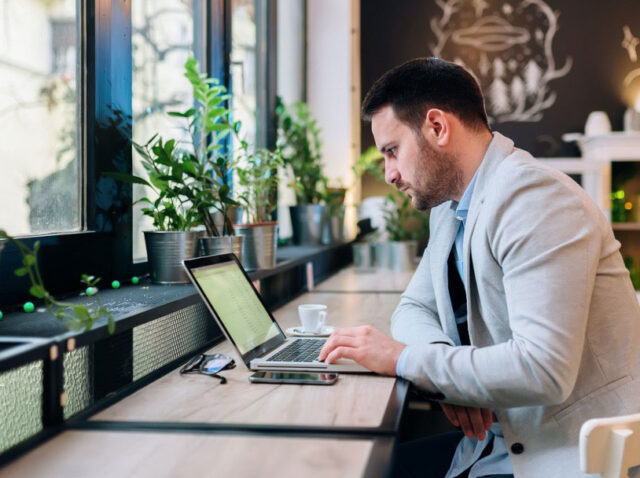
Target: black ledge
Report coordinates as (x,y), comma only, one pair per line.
(132,305)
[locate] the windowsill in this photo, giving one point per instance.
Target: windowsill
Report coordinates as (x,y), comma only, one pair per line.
(132,303)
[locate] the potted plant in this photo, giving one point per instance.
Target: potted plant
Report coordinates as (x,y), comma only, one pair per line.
(334,199)
(208,162)
(190,181)
(299,140)
(405,227)
(258,178)
(173,217)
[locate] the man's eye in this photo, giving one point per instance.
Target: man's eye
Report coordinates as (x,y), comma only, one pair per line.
(392,151)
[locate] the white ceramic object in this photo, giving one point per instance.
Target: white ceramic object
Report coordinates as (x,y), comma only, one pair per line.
(312,317)
(597,123)
(325,331)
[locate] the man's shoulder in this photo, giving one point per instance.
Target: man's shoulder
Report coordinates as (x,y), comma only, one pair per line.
(520,171)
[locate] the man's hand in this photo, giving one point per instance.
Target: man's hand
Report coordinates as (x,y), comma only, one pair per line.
(473,421)
(366,345)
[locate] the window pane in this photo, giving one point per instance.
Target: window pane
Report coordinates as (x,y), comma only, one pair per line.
(39,180)
(243,66)
(163,38)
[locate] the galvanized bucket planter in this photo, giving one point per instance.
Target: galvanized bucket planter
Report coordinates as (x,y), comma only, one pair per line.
(382,255)
(363,257)
(221,245)
(166,250)
(259,246)
(402,255)
(308,222)
(334,228)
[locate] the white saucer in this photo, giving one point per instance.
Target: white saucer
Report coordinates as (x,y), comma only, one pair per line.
(298,332)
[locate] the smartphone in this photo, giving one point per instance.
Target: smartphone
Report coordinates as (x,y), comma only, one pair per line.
(304,378)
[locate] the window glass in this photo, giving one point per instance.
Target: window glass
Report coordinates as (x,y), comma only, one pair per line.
(163,38)
(39,179)
(243,68)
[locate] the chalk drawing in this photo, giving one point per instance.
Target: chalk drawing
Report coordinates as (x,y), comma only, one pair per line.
(508,48)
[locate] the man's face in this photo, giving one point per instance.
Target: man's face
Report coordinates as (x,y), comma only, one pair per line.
(412,165)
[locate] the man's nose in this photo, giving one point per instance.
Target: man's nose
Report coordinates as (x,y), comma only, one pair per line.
(391,173)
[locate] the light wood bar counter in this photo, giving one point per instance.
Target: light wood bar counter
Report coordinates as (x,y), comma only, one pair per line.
(380,280)
(354,401)
(129,454)
(192,425)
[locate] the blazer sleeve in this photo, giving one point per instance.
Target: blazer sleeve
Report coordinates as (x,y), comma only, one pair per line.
(415,320)
(547,238)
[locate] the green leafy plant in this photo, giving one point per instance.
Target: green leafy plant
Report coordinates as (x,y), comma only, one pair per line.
(334,198)
(403,223)
(370,161)
(299,139)
(258,177)
(76,317)
(191,180)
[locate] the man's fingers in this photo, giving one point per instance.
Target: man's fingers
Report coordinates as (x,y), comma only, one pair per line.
(451,414)
(341,352)
(465,422)
(334,342)
(477,422)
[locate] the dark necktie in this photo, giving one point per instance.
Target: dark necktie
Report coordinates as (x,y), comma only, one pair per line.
(458,298)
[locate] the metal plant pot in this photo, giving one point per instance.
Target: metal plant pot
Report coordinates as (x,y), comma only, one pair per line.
(166,250)
(221,245)
(402,255)
(363,255)
(259,246)
(334,228)
(308,222)
(382,256)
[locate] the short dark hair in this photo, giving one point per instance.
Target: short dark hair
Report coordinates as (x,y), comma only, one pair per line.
(423,83)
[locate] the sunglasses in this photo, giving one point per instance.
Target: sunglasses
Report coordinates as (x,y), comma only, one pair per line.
(209,365)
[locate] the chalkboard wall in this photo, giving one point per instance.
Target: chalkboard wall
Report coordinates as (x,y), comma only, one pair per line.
(543,64)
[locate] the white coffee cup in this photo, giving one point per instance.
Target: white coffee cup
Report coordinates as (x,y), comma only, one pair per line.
(312,317)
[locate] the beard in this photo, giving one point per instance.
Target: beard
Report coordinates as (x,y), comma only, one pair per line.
(437,180)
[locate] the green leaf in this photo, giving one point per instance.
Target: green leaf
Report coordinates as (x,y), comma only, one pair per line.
(127,178)
(111,324)
(80,311)
(29,260)
(37,291)
(187,114)
(21,272)
(218,126)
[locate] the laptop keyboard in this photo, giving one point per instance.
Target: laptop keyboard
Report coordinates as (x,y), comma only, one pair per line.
(300,350)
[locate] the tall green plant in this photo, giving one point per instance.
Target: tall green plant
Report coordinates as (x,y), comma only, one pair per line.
(299,139)
(194,179)
(258,177)
(75,317)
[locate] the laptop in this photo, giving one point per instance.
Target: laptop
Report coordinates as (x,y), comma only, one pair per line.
(240,312)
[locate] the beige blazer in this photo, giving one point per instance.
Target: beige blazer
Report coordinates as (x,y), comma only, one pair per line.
(553,318)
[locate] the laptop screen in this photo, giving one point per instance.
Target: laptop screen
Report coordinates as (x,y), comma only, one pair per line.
(236,304)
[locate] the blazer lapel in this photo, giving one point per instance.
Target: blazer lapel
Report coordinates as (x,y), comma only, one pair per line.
(499,148)
(447,229)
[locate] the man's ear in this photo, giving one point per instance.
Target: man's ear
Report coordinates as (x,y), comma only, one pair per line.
(437,127)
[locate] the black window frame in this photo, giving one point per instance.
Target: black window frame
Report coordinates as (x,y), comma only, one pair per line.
(104,245)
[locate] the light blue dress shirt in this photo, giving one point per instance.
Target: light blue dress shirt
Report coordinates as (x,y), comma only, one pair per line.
(470,449)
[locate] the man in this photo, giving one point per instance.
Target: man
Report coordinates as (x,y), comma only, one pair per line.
(521,310)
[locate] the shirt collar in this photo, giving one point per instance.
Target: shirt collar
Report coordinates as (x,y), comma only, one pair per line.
(462,208)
